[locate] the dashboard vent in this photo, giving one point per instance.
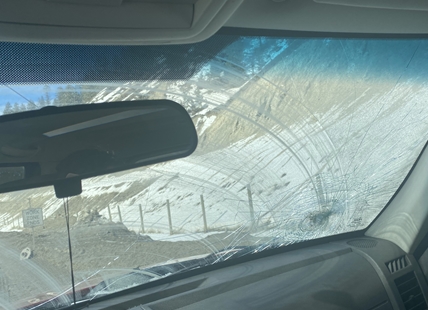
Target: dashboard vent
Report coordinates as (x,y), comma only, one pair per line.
(363,243)
(410,292)
(397,264)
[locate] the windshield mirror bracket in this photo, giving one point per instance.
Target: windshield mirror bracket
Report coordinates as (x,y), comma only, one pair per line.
(68,187)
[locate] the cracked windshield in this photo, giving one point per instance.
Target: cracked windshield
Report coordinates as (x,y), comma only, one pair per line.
(298,139)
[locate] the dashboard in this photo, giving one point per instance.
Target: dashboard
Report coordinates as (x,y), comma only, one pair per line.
(359,273)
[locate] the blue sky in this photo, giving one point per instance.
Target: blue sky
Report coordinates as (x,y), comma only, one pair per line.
(31,92)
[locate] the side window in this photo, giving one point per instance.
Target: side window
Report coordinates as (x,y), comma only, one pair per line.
(423,262)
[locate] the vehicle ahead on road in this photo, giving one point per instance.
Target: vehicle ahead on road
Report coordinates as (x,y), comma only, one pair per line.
(244,169)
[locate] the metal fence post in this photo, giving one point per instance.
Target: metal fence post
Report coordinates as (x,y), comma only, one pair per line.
(141,219)
(250,204)
(203,213)
(120,214)
(109,213)
(169,217)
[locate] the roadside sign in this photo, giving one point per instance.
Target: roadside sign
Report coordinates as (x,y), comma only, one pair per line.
(32,217)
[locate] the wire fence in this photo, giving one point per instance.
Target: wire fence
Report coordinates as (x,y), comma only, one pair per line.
(168,220)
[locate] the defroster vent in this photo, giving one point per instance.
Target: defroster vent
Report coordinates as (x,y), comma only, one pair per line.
(397,264)
(410,292)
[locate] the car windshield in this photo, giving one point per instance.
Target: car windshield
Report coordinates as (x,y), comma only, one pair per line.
(298,139)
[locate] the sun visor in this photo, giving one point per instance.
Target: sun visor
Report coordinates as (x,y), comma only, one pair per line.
(113,22)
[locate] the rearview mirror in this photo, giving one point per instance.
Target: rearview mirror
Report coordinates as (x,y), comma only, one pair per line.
(60,146)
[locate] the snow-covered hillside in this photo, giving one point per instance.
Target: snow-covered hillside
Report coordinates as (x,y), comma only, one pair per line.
(315,132)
